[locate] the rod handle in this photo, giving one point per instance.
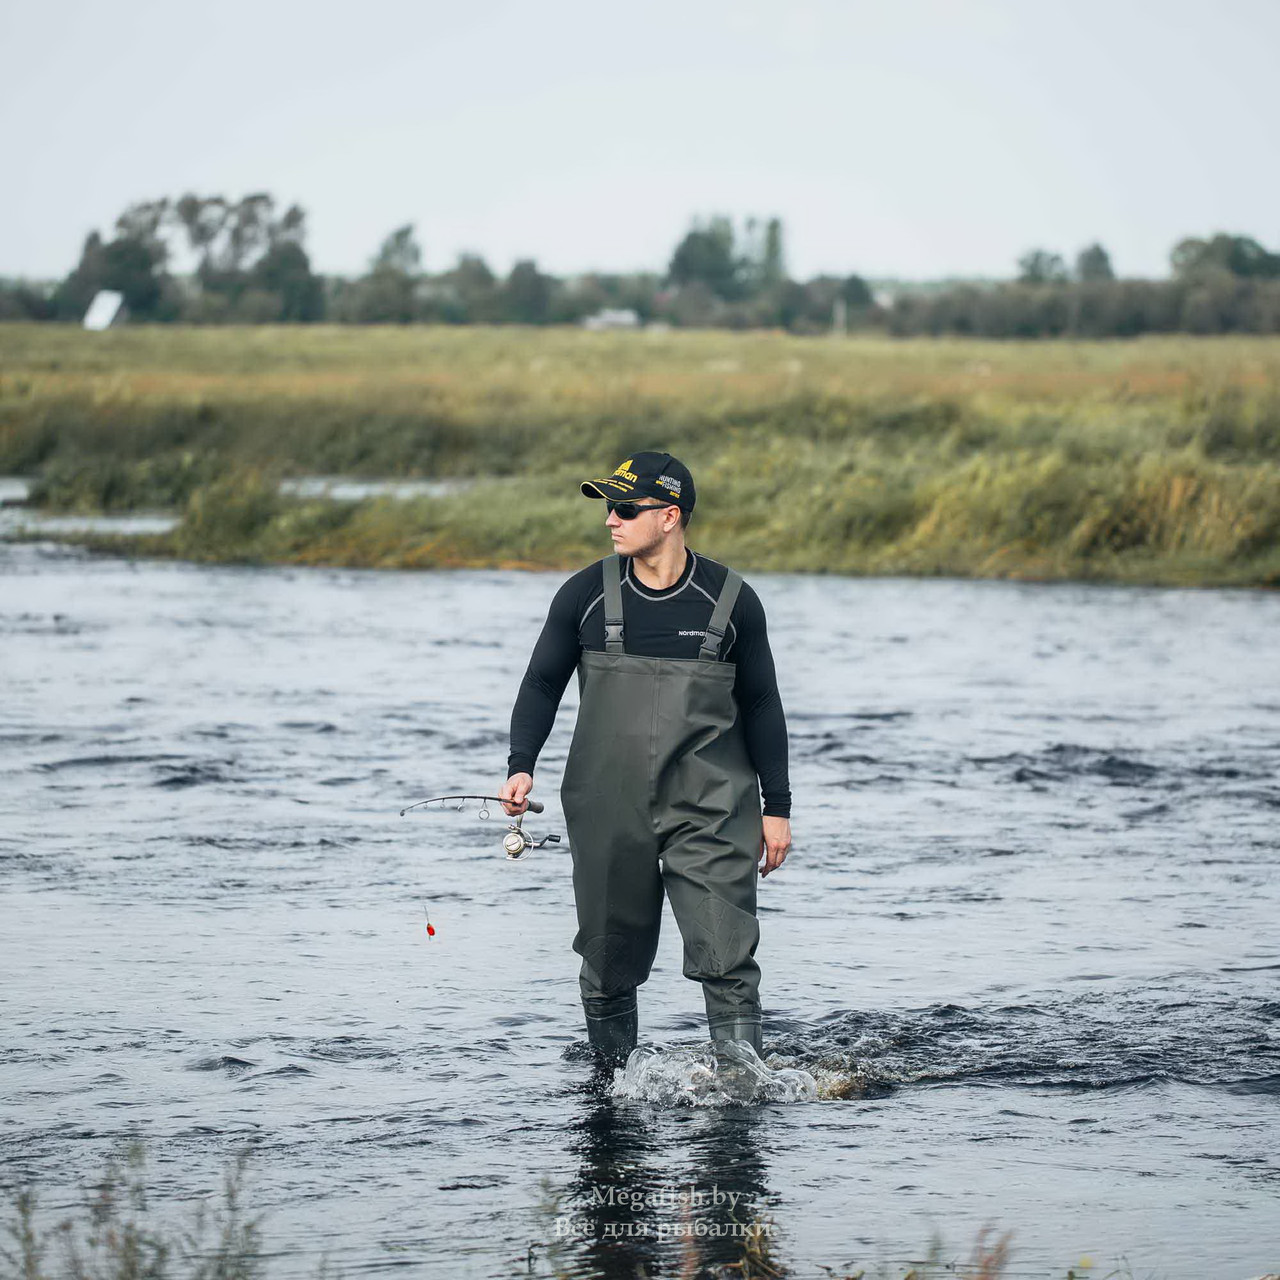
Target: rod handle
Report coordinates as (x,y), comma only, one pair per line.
(535,806)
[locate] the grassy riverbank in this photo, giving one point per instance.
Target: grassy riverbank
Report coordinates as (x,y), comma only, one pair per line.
(1149,461)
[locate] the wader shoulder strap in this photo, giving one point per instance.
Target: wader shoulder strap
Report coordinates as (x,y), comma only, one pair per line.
(613,604)
(719,623)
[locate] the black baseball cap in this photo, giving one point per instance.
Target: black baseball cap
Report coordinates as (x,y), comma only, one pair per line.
(646,475)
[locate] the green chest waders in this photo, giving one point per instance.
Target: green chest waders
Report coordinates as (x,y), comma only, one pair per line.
(659,790)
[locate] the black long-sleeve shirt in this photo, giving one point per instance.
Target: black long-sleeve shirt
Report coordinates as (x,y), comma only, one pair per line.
(659,624)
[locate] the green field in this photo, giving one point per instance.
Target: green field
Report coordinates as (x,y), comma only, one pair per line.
(1155,460)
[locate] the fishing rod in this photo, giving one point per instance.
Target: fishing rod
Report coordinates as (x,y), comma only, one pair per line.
(517,841)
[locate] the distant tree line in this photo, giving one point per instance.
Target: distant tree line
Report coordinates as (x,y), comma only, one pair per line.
(250,266)
(1225,284)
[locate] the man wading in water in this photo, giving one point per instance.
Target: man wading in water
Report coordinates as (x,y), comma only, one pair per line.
(679,716)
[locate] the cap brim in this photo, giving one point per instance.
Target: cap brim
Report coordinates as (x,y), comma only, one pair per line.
(608,489)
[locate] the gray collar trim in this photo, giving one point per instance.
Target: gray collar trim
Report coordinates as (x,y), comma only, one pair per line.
(661,595)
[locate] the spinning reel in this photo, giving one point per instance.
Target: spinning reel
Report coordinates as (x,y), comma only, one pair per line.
(517,841)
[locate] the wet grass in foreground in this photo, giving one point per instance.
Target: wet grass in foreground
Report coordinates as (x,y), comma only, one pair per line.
(117,1236)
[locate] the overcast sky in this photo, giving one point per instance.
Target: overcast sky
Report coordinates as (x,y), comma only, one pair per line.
(914,138)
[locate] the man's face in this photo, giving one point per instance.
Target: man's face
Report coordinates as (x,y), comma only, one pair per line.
(647,532)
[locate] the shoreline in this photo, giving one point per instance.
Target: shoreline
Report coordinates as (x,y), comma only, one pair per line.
(156,547)
(1150,462)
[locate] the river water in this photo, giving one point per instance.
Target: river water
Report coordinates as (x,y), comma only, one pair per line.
(1026,943)
(17,520)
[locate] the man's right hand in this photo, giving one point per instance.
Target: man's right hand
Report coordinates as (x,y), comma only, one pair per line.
(513,792)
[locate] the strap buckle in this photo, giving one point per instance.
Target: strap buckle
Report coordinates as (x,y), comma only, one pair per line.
(613,633)
(710,648)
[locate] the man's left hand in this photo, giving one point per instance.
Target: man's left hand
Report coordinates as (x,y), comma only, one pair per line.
(776,843)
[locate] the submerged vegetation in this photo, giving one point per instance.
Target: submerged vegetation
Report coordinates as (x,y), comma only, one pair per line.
(1154,461)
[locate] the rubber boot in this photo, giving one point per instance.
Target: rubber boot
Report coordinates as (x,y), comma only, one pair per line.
(612,1026)
(740,1029)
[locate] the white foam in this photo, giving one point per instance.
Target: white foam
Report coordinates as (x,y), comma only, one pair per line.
(727,1074)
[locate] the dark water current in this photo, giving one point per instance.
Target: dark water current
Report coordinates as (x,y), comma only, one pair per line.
(1026,944)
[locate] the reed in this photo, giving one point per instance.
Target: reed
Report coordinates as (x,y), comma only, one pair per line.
(1179,520)
(1156,460)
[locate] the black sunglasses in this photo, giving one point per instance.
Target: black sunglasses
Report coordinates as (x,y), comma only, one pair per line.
(629,510)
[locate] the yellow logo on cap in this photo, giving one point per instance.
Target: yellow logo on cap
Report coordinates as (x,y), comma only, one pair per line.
(625,471)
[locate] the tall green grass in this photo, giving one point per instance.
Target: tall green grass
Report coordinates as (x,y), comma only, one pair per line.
(1149,461)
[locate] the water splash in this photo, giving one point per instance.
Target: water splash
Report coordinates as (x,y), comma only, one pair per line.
(728,1073)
